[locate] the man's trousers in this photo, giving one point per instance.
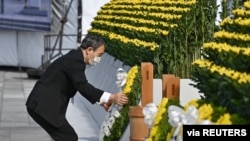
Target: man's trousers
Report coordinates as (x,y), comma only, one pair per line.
(63,133)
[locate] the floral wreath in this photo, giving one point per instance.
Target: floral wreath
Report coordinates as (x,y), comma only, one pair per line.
(169,117)
(116,120)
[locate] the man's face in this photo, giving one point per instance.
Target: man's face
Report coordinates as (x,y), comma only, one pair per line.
(95,56)
(99,51)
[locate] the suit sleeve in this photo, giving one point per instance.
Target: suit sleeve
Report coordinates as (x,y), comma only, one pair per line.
(76,72)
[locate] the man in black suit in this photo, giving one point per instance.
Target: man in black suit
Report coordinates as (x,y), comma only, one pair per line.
(49,99)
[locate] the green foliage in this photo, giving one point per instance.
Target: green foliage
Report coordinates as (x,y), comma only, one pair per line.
(133,55)
(219,111)
(228,59)
(195,28)
(220,90)
(136,20)
(231,54)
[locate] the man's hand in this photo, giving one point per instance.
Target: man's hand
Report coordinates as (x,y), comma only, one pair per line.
(106,106)
(118,98)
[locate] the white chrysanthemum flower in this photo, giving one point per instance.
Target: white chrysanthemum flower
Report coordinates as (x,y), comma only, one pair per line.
(116,114)
(107,131)
(111,121)
(113,111)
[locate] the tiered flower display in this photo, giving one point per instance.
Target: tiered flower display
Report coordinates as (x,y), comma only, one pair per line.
(223,76)
(114,126)
(165,32)
(224,73)
(153,29)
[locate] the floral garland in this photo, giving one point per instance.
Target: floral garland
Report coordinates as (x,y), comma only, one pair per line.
(161,127)
(117,118)
(216,114)
(170,115)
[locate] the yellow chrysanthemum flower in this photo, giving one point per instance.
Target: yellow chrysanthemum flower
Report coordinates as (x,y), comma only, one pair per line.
(130,79)
(224,119)
(205,112)
(191,103)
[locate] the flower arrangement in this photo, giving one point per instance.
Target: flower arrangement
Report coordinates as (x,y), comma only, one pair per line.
(223,74)
(171,116)
(117,119)
(215,114)
(153,28)
(161,127)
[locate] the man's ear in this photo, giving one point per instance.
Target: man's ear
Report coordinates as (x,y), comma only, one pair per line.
(89,49)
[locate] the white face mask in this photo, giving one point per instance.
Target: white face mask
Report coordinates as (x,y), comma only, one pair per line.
(95,61)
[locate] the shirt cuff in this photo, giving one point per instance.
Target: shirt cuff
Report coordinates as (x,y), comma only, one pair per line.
(104,98)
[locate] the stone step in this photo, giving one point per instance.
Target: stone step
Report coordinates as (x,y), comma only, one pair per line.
(24,134)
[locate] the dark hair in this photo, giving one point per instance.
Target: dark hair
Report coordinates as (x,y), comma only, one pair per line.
(93,41)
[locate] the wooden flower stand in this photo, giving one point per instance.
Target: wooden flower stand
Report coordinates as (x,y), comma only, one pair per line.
(138,129)
(170,89)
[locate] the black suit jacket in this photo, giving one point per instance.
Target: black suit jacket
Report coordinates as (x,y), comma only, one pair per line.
(62,79)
